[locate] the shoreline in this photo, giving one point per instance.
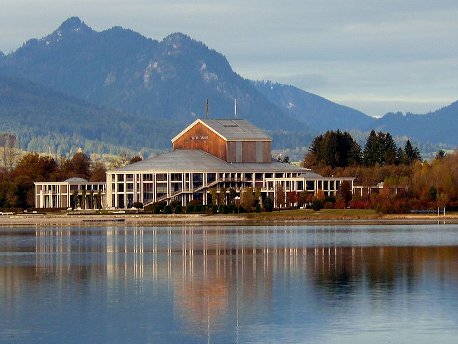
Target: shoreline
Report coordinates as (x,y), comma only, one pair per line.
(280,218)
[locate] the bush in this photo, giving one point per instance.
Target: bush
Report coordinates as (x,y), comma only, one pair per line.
(190,209)
(156,207)
(179,209)
(138,205)
(328,205)
(168,209)
(258,208)
(214,209)
(316,204)
(269,204)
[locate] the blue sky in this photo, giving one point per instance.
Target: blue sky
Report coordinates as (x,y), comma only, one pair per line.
(374,55)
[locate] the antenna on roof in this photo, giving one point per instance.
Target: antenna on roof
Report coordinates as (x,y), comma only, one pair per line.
(235,107)
(206,110)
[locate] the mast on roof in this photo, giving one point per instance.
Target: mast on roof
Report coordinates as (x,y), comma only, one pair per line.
(206,110)
(235,107)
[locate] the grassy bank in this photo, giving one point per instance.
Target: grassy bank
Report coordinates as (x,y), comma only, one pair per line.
(309,214)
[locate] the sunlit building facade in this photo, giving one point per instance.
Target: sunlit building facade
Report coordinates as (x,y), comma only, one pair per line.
(213,156)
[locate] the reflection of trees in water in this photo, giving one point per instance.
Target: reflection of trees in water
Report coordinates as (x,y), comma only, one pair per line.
(212,274)
(340,269)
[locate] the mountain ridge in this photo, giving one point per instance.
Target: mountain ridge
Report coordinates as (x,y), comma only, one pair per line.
(122,69)
(167,83)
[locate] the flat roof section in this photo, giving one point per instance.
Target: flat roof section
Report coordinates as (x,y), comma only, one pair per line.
(193,160)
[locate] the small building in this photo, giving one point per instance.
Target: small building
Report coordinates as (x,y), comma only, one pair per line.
(71,193)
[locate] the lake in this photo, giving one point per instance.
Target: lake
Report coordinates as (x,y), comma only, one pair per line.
(230,284)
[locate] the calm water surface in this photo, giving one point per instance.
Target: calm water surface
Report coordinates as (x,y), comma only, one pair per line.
(253,284)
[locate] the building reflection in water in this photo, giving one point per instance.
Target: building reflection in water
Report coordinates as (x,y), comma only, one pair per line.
(211,274)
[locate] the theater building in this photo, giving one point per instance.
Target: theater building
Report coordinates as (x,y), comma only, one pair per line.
(212,155)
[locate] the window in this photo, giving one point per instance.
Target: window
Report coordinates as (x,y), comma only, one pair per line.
(161,177)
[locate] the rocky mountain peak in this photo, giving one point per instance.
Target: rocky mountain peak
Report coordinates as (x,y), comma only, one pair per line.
(73,24)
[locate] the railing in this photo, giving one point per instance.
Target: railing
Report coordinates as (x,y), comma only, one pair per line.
(193,190)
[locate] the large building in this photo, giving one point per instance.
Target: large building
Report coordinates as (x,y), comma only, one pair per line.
(212,156)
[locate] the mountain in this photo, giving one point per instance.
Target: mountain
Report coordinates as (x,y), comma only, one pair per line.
(44,119)
(316,112)
(133,91)
(121,69)
(437,126)
(2,56)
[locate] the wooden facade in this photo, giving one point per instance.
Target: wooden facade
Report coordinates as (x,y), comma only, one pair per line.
(201,137)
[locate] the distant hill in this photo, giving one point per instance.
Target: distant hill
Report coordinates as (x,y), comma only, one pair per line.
(317,112)
(121,69)
(47,120)
(437,126)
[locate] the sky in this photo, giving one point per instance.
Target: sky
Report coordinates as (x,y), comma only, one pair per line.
(377,56)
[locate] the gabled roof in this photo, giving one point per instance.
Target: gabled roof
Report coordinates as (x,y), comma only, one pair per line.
(230,130)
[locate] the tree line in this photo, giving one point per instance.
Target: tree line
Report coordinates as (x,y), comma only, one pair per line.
(16,183)
(339,149)
(408,181)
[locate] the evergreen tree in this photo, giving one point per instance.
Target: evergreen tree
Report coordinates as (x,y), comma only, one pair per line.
(411,154)
(335,149)
(372,150)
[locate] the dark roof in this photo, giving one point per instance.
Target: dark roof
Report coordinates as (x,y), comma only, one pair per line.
(76,180)
(190,160)
(231,129)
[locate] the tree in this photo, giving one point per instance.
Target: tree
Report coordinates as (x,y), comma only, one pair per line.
(279,195)
(9,151)
(380,149)
(135,159)
(75,199)
(98,172)
(334,149)
(344,192)
(411,154)
(36,167)
(212,192)
(291,198)
(247,198)
(222,196)
(269,204)
(440,154)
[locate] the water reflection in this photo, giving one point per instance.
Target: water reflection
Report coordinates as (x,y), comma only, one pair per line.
(218,283)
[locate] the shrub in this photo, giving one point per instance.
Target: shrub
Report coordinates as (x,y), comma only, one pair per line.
(269,204)
(156,207)
(317,204)
(190,209)
(178,209)
(258,208)
(214,209)
(168,209)
(328,205)
(138,205)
